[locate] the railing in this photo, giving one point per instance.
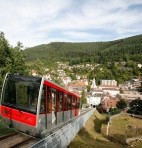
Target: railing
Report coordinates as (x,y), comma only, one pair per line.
(63,136)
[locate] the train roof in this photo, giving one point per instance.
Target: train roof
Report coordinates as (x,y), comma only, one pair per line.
(17,77)
(53,84)
(24,78)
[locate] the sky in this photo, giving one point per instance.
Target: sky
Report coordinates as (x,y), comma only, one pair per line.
(35,22)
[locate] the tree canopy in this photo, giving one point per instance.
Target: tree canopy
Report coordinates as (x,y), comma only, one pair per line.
(121,104)
(99,52)
(83,98)
(135,107)
(117,59)
(12,59)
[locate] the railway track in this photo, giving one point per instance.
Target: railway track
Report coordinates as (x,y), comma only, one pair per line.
(16,140)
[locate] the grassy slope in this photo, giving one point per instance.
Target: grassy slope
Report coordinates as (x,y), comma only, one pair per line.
(90,137)
(122,122)
(118,132)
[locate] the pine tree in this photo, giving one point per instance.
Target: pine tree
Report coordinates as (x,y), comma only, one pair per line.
(83,98)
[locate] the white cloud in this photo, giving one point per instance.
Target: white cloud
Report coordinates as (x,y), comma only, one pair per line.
(35,22)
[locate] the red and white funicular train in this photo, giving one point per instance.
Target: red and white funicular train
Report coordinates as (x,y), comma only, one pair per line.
(35,105)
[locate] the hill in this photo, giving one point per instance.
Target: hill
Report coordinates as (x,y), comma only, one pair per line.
(90,135)
(99,52)
(93,134)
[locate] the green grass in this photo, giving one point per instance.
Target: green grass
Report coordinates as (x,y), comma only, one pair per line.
(124,126)
(137,144)
(90,137)
(4,129)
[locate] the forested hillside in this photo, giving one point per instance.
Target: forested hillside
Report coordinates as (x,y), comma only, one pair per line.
(98,52)
(111,60)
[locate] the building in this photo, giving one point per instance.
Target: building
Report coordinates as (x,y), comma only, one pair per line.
(111,91)
(130,97)
(66,80)
(108,83)
(108,102)
(77,85)
(94,98)
(109,87)
(136,83)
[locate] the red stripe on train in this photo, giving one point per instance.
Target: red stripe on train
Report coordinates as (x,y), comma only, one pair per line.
(18,115)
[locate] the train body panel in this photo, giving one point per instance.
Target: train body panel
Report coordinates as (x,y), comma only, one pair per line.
(35,105)
(18,115)
(60,117)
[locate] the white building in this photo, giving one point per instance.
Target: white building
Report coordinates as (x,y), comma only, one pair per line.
(129,97)
(108,83)
(66,80)
(112,91)
(94,100)
(95,97)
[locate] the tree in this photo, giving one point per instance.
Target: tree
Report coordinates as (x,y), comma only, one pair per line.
(17,61)
(5,53)
(83,98)
(121,104)
(88,87)
(19,45)
(136,106)
(73,76)
(11,59)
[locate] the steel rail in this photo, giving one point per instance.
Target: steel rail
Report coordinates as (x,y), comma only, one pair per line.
(24,142)
(7,136)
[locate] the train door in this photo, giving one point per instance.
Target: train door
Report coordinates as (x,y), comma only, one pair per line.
(51,107)
(73,106)
(77,106)
(76,110)
(67,107)
(59,107)
(42,115)
(69,101)
(48,107)
(54,108)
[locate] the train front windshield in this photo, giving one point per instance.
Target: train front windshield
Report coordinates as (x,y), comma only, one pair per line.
(21,92)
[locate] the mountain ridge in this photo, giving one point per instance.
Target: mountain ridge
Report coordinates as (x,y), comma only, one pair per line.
(125,49)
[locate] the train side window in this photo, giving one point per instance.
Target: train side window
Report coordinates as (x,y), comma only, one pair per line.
(27,95)
(9,93)
(22,95)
